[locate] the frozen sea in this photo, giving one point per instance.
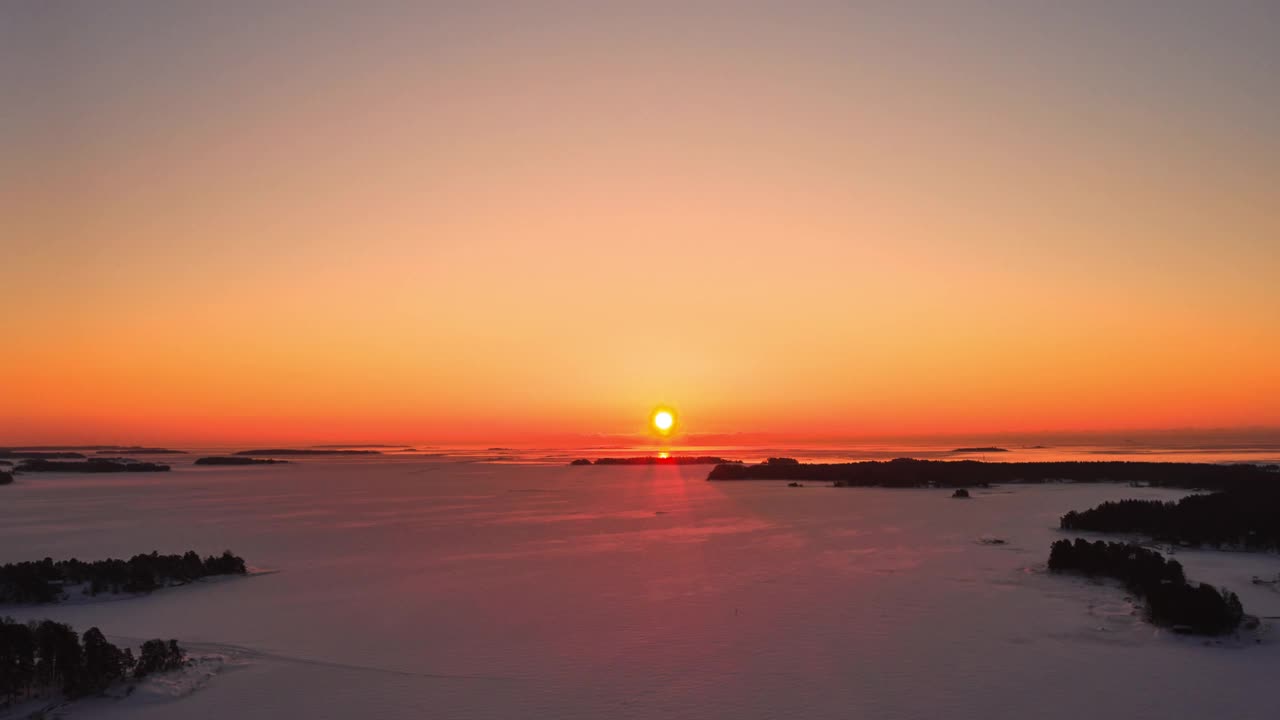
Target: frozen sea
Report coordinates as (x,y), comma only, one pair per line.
(413,586)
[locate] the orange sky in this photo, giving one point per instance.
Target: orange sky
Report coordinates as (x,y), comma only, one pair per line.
(486,225)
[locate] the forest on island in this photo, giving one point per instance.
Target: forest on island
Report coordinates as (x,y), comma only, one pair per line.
(45,581)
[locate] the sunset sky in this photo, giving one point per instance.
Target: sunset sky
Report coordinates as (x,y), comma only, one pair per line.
(525,221)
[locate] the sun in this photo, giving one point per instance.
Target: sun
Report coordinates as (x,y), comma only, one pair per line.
(663,421)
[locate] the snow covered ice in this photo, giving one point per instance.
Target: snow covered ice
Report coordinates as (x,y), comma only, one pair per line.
(412,587)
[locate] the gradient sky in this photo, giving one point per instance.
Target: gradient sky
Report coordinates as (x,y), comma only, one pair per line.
(516,221)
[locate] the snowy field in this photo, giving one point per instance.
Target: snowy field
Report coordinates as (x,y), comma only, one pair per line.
(411,587)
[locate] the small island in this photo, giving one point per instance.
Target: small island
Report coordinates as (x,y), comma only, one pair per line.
(305,451)
(45,658)
(1170,600)
(237,460)
(979,450)
(659,460)
(92,465)
(47,581)
(960,494)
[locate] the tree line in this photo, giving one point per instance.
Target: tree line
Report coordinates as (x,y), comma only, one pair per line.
(908,472)
(1247,518)
(44,581)
(92,465)
(39,658)
(1170,600)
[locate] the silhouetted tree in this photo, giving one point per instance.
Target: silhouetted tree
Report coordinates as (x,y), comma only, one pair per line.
(17,659)
(224,564)
(58,656)
(104,663)
(159,656)
(37,658)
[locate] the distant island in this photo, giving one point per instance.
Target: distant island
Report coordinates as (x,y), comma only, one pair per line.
(658,460)
(47,581)
(46,657)
(43,448)
(905,473)
(1170,600)
(40,455)
(306,451)
(979,450)
(236,460)
(92,465)
(136,450)
(360,445)
(76,452)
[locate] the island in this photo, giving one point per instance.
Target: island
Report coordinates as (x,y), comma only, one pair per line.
(40,455)
(907,473)
(1243,517)
(1171,601)
(305,451)
(336,446)
(137,450)
(41,659)
(237,460)
(92,465)
(960,494)
(659,460)
(81,448)
(979,450)
(47,581)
